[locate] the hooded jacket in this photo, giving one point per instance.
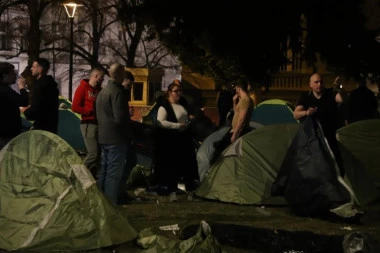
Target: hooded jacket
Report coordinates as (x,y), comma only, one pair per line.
(84,99)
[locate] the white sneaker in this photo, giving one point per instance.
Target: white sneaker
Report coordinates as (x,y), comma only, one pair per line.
(173,197)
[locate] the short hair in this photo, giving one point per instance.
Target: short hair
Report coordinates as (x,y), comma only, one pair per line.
(129,75)
(243,83)
(44,63)
(96,70)
(5,68)
(117,72)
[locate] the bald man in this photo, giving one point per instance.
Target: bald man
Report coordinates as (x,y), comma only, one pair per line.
(322,104)
(114,134)
(83,103)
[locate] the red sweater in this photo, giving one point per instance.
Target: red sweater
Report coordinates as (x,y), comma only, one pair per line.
(84,99)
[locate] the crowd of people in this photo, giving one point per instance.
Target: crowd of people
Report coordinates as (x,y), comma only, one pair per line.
(107,129)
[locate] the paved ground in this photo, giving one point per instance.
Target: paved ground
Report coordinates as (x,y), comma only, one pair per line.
(249,228)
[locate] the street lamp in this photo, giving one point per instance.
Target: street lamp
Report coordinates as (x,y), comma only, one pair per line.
(70,10)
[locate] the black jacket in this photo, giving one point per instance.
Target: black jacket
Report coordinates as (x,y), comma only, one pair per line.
(10,101)
(44,105)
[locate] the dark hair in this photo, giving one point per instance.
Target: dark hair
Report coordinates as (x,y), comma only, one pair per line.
(243,83)
(129,75)
(44,63)
(172,85)
(5,68)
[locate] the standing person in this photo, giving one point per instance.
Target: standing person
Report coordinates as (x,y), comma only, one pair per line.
(174,153)
(321,103)
(83,103)
(43,109)
(114,133)
(224,103)
(243,106)
(131,156)
(10,101)
(362,103)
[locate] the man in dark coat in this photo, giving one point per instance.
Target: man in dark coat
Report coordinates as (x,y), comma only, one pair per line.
(362,104)
(43,108)
(114,134)
(10,101)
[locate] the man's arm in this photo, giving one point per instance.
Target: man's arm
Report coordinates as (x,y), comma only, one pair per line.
(339,98)
(300,112)
(78,104)
(243,110)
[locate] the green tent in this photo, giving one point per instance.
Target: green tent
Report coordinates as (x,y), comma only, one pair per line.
(49,200)
(64,103)
(273,111)
(244,173)
(360,146)
(69,129)
(246,170)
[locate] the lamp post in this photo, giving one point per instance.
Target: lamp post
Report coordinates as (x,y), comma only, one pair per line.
(70,10)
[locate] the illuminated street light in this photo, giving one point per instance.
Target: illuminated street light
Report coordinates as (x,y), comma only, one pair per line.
(70,10)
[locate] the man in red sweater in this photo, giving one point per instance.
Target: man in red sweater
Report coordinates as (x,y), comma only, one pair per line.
(83,103)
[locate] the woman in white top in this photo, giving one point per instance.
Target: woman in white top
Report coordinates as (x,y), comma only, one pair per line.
(174,155)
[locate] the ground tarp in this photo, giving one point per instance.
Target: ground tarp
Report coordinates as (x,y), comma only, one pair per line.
(49,200)
(245,171)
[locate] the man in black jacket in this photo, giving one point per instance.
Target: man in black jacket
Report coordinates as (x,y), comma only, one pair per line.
(43,108)
(10,101)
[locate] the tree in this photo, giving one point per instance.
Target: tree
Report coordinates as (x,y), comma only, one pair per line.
(228,39)
(35,9)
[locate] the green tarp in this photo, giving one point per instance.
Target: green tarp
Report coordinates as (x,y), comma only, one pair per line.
(49,200)
(202,242)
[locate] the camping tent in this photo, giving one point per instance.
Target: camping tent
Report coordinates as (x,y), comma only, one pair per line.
(362,140)
(245,171)
(49,200)
(69,129)
(64,103)
(273,111)
(206,150)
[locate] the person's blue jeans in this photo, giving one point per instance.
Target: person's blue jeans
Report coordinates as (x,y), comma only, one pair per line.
(110,179)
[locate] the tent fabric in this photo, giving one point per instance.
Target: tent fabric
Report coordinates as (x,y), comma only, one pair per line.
(206,150)
(203,241)
(309,177)
(273,111)
(64,103)
(49,199)
(362,140)
(69,129)
(245,171)
(358,178)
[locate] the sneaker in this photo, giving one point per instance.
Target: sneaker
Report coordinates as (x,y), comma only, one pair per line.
(172,197)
